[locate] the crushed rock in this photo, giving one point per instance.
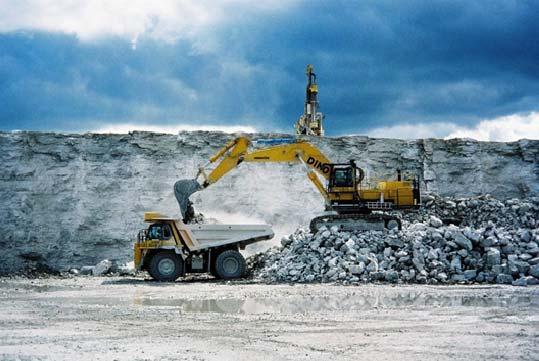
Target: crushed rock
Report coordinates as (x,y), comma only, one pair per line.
(465,240)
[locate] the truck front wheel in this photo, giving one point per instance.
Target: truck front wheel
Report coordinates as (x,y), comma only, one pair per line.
(166,266)
(230,264)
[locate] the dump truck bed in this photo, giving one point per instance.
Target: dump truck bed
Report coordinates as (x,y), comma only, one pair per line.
(203,236)
(216,235)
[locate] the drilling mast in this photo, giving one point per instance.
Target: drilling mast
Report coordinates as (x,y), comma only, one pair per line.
(310,122)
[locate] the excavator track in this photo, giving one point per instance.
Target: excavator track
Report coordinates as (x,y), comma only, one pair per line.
(356,222)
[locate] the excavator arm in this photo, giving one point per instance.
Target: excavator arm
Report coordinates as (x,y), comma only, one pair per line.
(237,151)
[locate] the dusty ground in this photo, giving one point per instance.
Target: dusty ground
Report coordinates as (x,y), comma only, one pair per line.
(119,318)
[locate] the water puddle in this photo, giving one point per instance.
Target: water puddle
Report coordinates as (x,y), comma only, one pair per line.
(38,288)
(357,302)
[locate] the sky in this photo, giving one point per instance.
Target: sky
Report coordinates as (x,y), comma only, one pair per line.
(395,69)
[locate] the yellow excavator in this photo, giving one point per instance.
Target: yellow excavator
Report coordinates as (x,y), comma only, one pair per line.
(349,204)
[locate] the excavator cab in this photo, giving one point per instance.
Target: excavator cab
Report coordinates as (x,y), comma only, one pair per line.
(344,177)
(342,187)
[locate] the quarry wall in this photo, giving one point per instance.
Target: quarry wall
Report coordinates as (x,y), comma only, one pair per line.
(73,200)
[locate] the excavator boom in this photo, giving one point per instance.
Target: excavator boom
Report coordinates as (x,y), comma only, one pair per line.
(292,151)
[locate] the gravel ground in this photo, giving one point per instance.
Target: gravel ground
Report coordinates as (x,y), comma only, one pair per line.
(130,318)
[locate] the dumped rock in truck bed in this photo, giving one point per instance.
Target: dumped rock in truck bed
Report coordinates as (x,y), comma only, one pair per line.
(500,249)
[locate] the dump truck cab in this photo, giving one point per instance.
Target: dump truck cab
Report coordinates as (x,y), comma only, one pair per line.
(169,249)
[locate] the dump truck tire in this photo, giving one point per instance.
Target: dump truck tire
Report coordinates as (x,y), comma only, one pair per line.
(230,264)
(165,266)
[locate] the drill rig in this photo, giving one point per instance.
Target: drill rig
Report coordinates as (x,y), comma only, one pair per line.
(349,205)
(310,122)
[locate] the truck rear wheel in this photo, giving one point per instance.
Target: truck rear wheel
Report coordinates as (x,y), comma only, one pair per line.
(230,264)
(166,266)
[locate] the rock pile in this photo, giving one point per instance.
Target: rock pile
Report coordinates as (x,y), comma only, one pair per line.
(477,212)
(496,242)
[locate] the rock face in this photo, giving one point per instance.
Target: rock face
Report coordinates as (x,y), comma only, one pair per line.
(73,200)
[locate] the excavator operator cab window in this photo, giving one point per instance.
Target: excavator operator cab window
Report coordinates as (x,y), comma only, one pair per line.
(159,231)
(343,177)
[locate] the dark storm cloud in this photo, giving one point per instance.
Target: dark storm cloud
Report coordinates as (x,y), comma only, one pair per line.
(378,63)
(406,61)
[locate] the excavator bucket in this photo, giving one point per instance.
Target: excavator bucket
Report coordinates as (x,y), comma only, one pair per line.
(183,190)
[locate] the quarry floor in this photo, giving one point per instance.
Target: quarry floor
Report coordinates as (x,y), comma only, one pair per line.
(130,318)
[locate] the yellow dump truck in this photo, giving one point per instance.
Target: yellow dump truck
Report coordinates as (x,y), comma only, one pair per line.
(169,249)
